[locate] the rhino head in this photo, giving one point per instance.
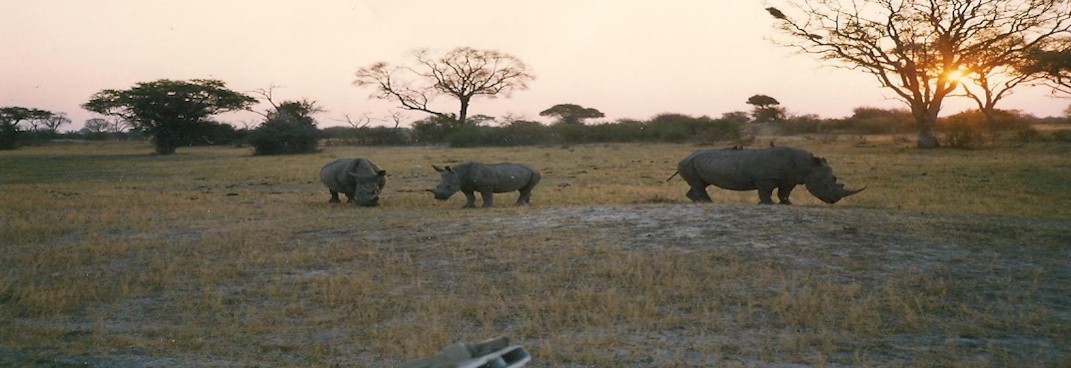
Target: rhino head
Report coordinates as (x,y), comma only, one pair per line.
(448,185)
(367,188)
(823,184)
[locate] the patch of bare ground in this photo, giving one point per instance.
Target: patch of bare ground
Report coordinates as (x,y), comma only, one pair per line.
(654,285)
(758,285)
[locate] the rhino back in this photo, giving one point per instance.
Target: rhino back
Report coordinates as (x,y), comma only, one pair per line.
(741,169)
(334,176)
(499,177)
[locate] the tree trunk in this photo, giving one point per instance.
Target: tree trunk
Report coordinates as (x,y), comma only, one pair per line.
(926,121)
(990,118)
(165,142)
(927,139)
(463,115)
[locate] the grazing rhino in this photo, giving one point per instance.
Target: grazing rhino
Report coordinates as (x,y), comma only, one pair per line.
(763,169)
(359,179)
(471,177)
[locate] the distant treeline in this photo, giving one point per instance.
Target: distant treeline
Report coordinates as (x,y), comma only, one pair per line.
(960,130)
(967,129)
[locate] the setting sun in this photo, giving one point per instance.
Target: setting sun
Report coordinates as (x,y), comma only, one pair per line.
(956,75)
(959,75)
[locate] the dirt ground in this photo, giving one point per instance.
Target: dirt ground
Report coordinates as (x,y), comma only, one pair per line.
(844,245)
(993,256)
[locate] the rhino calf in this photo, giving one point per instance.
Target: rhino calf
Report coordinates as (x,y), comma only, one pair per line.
(764,169)
(472,177)
(359,179)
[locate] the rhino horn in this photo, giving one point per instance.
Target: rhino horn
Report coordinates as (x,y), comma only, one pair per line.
(848,192)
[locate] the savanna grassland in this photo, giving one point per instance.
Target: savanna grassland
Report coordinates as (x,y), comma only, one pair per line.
(114,257)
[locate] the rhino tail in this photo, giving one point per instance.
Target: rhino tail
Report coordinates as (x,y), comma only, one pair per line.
(674,174)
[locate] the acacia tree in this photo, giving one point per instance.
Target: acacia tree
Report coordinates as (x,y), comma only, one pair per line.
(916,48)
(462,74)
(95,128)
(11,116)
(54,122)
(572,114)
(167,109)
(766,108)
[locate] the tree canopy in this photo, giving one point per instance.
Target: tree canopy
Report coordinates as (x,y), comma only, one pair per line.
(462,74)
(572,114)
(288,129)
(918,48)
(766,108)
(11,116)
(1051,63)
(168,109)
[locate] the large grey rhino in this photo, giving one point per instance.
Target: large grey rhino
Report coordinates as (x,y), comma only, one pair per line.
(359,179)
(764,169)
(471,177)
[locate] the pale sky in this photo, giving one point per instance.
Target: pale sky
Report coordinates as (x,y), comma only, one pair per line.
(627,58)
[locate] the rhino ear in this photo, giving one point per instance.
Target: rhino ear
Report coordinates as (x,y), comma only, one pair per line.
(382,173)
(439,169)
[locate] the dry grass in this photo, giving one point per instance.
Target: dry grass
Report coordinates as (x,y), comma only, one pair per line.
(213,257)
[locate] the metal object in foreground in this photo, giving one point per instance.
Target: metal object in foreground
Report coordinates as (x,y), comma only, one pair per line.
(493,353)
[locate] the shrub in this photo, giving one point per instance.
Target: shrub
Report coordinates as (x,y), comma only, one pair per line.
(964,131)
(9,136)
(433,129)
(572,133)
(523,133)
(284,135)
(287,130)
(873,120)
(804,124)
(721,130)
(382,136)
(674,128)
(1063,135)
(205,133)
(475,136)
(338,135)
(625,130)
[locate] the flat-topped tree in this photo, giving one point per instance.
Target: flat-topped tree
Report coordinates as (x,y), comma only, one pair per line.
(572,113)
(168,109)
(766,109)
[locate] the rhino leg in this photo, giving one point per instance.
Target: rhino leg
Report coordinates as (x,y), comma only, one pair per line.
(525,198)
(766,191)
(488,198)
(698,193)
(470,199)
(334,197)
(349,197)
(783,192)
(526,192)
